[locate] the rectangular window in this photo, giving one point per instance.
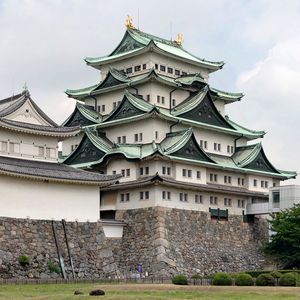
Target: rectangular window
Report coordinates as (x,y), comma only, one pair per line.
(148,98)
(141,195)
(213,200)
(98,108)
(124,139)
(241,203)
(119,140)
(127,172)
(136,137)
(162,68)
(227,202)
(162,99)
(219,147)
(48,152)
(144,66)
(156,66)
(262,184)
(4,146)
(228,149)
(141,136)
(129,70)
(198,175)
(173,102)
(122,198)
(229,179)
(215,146)
(170,70)
(254,182)
(225,179)
(169,195)
(183,172)
(158,99)
(164,170)
(141,171)
(266,184)
(127,197)
(163,195)
(183,197)
(205,144)
(190,173)
(215,177)
(168,171)
(103,107)
(211,177)
(232,149)
(137,68)
(239,181)
(156,135)
(177,72)
(147,195)
(41,151)
(114,172)
(198,198)
(123,172)
(243,181)
(147,170)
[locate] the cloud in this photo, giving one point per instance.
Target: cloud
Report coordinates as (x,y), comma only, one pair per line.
(272,102)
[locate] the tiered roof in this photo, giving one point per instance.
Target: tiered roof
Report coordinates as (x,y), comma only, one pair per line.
(95,149)
(136,42)
(116,79)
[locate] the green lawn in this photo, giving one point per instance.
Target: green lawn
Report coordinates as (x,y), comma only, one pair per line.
(146,291)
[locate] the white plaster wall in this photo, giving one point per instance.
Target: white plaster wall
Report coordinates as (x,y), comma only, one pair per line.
(28,145)
(220,105)
(289,195)
(22,198)
(259,178)
(147,127)
(119,164)
(69,142)
(156,199)
(194,169)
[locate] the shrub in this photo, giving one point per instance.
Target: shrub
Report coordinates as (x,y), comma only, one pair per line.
(180,280)
(53,267)
(244,280)
(97,293)
(222,279)
(24,260)
(265,280)
(288,279)
(276,274)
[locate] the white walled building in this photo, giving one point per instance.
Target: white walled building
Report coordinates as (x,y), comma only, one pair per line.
(33,184)
(155,119)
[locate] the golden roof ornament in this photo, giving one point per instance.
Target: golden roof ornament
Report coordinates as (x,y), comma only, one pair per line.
(179,39)
(129,23)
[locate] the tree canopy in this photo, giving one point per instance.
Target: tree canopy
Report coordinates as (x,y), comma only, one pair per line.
(284,244)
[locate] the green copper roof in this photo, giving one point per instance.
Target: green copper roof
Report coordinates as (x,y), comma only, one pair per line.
(82,115)
(117,79)
(136,41)
(181,146)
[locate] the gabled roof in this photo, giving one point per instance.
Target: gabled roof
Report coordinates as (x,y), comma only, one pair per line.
(131,105)
(36,170)
(201,108)
(135,42)
(83,115)
(10,105)
(183,144)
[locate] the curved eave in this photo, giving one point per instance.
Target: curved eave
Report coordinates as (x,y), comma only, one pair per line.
(102,183)
(62,134)
(98,62)
(226,96)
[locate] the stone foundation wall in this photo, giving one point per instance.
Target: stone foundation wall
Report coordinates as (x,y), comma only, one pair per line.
(170,241)
(90,250)
(165,241)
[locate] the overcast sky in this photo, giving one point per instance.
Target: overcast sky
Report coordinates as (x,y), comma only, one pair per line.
(43,43)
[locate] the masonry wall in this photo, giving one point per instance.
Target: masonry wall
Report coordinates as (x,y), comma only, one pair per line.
(90,251)
(165,241)
(171,241)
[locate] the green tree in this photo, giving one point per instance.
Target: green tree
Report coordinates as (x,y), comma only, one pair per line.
(284,244)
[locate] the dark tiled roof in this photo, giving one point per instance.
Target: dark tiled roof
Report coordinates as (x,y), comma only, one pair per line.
(37,127)
(52,171)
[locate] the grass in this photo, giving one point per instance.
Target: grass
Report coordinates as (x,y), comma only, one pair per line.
(146,292)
